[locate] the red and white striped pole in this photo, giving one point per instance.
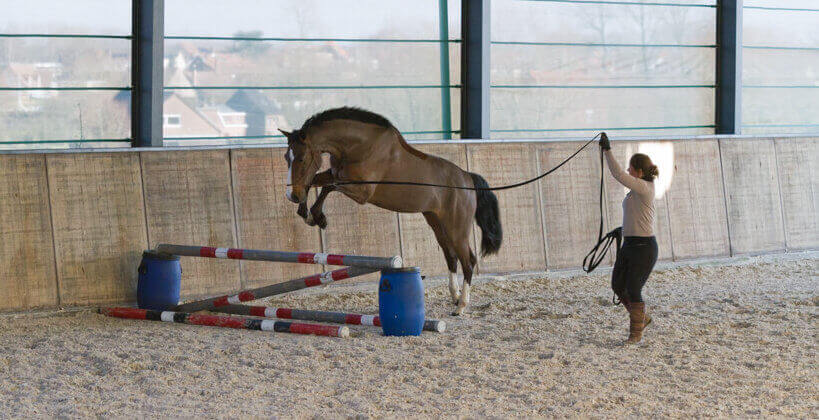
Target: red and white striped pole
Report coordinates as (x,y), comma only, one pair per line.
(275,289)
(281,256)
(228,322)
(318,316)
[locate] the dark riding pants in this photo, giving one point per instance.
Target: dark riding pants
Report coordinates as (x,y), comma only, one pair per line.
(635,260)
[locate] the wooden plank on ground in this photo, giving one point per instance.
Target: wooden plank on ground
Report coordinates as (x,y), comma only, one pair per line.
(798,168)
(501,164)
(752,195)
(188,201)
(570,201)
(99,225)
(659,153)
(696,201)
(27,249)
(417,239)
(266,219)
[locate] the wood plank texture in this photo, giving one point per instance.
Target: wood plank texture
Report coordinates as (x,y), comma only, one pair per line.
(570,203)
(266,219)
(27,249)
(752,196)
(798,168)
(696,201)
(359,230)
(99,225)
(522,248)
(188,202)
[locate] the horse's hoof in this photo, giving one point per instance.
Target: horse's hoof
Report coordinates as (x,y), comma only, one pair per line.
(321,221)
(309,220)
(455,294)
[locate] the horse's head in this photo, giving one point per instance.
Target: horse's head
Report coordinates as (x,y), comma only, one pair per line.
(302,165)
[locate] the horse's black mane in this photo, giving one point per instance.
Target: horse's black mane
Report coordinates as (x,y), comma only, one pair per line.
(346,113)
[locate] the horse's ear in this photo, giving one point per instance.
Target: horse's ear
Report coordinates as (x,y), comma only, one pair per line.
(286,134)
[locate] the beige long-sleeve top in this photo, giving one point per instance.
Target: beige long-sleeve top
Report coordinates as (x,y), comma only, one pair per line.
(638,206)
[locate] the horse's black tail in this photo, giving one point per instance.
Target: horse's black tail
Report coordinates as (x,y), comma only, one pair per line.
(488,217)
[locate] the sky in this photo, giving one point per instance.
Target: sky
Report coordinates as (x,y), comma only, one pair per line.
(292,18)
(515,20)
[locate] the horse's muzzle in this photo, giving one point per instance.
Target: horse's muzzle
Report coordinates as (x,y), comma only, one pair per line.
(290,197)
(293,196)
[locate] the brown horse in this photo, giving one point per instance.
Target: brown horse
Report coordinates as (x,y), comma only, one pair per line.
(364,146)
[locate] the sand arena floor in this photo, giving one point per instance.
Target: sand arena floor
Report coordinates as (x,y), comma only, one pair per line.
(731,338)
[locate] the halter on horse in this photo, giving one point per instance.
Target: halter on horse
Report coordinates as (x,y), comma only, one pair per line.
(364,146)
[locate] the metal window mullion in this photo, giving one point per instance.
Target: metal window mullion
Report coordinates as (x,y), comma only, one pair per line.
(147,54)
(443,34)
(475,54)
(728,118)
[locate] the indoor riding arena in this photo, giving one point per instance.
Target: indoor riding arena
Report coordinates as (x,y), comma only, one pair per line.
(413,209)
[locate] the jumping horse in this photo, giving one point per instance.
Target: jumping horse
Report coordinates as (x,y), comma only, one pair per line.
(364,146)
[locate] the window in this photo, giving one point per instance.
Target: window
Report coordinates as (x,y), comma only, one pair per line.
(284,61)
(172,120)
(233,119)
(65,74)
(780,68)
(573,68)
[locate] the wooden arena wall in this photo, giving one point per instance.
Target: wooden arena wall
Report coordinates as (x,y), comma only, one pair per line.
(74,225)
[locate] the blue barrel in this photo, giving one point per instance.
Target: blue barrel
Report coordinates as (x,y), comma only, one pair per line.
(159,280)
(401,301)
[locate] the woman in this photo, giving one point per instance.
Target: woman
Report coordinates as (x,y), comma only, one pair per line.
(636,258)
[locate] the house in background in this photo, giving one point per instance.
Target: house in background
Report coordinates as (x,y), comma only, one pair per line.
(263,115)
(181,118)
(32,75)
(194,117)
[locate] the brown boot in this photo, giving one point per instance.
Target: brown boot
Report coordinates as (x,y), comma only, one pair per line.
(625,303)
(637,316)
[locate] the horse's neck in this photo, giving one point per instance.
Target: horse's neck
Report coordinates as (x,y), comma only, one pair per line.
(349,143)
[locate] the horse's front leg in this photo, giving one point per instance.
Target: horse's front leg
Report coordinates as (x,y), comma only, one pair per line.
(304,214)
(317,211)
(323,179)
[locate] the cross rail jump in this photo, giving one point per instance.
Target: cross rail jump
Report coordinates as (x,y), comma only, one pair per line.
(281,256)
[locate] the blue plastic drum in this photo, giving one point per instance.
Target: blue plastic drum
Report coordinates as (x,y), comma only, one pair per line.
(160,277)
(401,301)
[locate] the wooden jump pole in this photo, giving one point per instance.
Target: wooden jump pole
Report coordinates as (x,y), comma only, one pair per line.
(228,322)
(275,289)
(281,256)
(318,316)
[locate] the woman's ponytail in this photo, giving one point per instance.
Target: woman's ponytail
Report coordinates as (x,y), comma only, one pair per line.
(643,163)
(654,171)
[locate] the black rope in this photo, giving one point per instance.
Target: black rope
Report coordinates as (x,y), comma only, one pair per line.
(505,187)
(599,251)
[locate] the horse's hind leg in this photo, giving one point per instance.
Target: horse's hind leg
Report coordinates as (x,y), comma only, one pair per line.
(468,260)
(449,255)
(452,265)
(465,256)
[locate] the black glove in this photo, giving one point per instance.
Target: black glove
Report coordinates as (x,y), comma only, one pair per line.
(604,142)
